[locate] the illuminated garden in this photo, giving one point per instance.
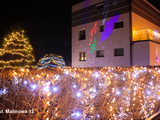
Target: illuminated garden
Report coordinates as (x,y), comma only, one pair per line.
(80,94)
(51,91)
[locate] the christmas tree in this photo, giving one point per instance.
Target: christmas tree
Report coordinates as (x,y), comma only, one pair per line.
(16,51)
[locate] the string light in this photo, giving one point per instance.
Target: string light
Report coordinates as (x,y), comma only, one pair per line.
(74,86)
(16,44)
(55,89)
(76,114)
(33,86)
(109,97)
(3,91)
(78,94)
(25,82)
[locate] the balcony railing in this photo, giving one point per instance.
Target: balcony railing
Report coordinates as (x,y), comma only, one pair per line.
(146,34)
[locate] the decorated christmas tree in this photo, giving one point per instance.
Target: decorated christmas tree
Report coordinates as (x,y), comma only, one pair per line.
(16,51)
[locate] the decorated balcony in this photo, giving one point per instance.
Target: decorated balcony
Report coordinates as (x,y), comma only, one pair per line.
(146,34)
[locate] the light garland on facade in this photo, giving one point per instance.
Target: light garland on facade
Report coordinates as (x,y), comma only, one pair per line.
(18,49)
(113,93)
(145,34)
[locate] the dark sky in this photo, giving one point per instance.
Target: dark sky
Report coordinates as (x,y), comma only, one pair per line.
(48,23)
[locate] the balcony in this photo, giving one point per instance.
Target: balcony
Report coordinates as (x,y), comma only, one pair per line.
(146,34)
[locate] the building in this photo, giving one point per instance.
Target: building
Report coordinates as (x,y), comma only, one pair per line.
(115,33)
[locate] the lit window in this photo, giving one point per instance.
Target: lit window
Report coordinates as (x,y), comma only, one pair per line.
(101,28)
(82,35)
(119,52)
(118,25)
(82,56)
(100,53)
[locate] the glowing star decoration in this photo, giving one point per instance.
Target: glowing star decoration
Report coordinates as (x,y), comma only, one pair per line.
(108,29)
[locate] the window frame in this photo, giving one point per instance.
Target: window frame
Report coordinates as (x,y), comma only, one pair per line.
(99,55)
(101,29)
(117,54)
(81,38)
(120,25)
(82,56)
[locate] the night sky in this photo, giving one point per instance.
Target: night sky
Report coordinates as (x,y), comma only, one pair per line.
(47,24)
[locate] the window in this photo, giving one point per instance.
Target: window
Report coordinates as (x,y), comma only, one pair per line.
(118,25)
(119,52)
(82,35)
(101,28)
(82,56)
(100,53)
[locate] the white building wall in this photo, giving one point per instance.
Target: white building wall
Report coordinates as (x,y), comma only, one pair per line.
(140,53)
(118,39)
(146,53)
(154,51)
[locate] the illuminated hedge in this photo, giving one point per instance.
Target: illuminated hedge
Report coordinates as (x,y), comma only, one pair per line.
(81,94)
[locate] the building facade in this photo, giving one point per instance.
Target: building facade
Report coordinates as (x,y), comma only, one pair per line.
(115,33)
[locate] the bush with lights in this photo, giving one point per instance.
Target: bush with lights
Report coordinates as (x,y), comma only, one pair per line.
(113,93)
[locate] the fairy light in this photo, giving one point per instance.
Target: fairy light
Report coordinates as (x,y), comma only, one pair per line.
(118,92)
(74,86)
(57,77)
(46,89)
(108,97)
(148,92)
(97,115)
(33,86)
(25,82)
(76,114)
(96,74)
(55,89)
(3,91)
(67,72)
(21,48)
(79,94)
